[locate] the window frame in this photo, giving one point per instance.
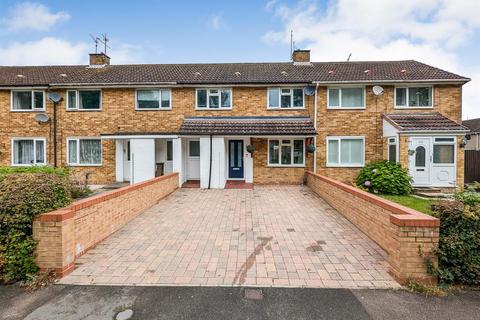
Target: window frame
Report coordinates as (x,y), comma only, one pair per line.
(77,99)
(207,107)
(34,139)
(280,98)
(339,164)
(78,164)
(453,143)
(279,164)
(391,143)
(160,108)
(340,98)
(431,86)
(32,90)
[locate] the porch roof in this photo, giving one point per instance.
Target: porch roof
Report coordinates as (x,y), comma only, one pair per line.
(249,126)
(426,122)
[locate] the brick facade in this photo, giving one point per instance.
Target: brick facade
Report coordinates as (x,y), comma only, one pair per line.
(400,231)
(67,233)
(118,114)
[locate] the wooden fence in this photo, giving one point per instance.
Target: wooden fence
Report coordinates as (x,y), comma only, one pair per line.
(472,166)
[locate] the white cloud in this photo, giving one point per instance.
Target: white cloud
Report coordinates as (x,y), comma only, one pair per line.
(216,21)
(430,31)
(32,16)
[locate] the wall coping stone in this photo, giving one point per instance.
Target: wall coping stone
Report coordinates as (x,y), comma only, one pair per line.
(402,216)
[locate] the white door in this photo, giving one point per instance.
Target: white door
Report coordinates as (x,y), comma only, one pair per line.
(420,161)
(169,157)
(126,160)
(444,165)
(193,160)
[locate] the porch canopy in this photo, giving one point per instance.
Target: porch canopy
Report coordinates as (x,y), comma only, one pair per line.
(248,126)
(421,123)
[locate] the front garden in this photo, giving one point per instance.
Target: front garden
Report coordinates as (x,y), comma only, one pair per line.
(459,240)
(24,194)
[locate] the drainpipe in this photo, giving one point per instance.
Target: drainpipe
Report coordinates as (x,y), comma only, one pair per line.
(315,126)
(55,134)
(210,170)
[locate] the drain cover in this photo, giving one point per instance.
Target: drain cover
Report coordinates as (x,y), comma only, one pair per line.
(253,294)
(124,315)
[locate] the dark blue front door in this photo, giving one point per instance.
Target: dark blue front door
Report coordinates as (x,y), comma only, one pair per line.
(235,159)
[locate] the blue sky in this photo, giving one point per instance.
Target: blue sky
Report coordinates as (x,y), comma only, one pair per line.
(444,33)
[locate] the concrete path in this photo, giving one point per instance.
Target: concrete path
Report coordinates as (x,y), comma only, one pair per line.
(60,302)
(283,236)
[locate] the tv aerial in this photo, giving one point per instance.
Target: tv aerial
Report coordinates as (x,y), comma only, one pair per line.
(102,39)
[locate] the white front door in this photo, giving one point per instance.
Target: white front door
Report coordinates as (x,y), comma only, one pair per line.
(420,161)
(126,160)
(193,160)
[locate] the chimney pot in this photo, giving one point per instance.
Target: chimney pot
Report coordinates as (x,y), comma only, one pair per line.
(301,56)
(99,59)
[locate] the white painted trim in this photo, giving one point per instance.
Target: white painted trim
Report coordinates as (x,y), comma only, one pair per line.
(78,152)
(12,153)
(130,137)
(207,108)
(32,101)
(280,98)
(339,165)
(340,98)
(160,108)
(292,165)
(406,86)
(77,100)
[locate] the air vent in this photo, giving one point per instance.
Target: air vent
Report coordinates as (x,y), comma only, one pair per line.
(238,74)
(330,72)
(197,74)
(20,76)
(403,71)
(285,73)
(64,75)
(366,71)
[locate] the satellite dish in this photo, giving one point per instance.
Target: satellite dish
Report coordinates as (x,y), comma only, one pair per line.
(54,96)
(309,91)
(41,117)
(377,90)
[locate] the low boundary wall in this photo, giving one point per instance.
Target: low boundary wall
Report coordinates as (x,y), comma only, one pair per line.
(408,236)
(67,233)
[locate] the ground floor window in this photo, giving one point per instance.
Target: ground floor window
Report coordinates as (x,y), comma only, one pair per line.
(28,151)
(392,149)
(84,151)
(286,152)
(345,151)
(444,151)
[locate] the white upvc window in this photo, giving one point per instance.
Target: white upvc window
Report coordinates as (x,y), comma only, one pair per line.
(213,98)
(444,150)
(85,99)
(346,98)
(286,152)
(414,97)
(392,149)
(27,100)
(153,99)
(345,151)
(285,98)
(84,151)
(29,151)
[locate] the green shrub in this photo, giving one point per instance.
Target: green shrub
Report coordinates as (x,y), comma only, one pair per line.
(468,197)
(22,197)
(5,171)
(386,177)
(459,243)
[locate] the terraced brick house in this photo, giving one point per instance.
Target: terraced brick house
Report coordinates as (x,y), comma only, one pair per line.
(262,123)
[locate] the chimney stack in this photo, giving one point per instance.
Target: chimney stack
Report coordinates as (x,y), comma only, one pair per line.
(99,59)
(302,56)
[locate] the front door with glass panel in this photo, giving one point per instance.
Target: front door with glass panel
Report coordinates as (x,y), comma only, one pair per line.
(420,161)
(193,165)
(126,160)
(235,159)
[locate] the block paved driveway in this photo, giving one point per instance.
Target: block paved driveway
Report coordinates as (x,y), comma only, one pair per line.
(283,236)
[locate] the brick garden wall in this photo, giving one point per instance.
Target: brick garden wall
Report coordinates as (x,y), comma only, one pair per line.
(67,233)
(400,231)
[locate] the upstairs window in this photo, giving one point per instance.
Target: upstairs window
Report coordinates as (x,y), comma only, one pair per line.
(28,100)
(214,98)
(346,98)
(84,99)
(345,151)
(153,99)
(413,97)
(28,151)
(284,98)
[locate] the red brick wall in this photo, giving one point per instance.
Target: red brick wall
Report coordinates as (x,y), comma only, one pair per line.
(67,233)
(400,231)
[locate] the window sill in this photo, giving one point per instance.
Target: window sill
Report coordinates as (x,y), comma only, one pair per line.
(84,110)
(153,109)
(213,109)
(85,165)
(413,108)
(27,110)
(285,166)
(345,108)
(285,109)
(28,165)
(345,166)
